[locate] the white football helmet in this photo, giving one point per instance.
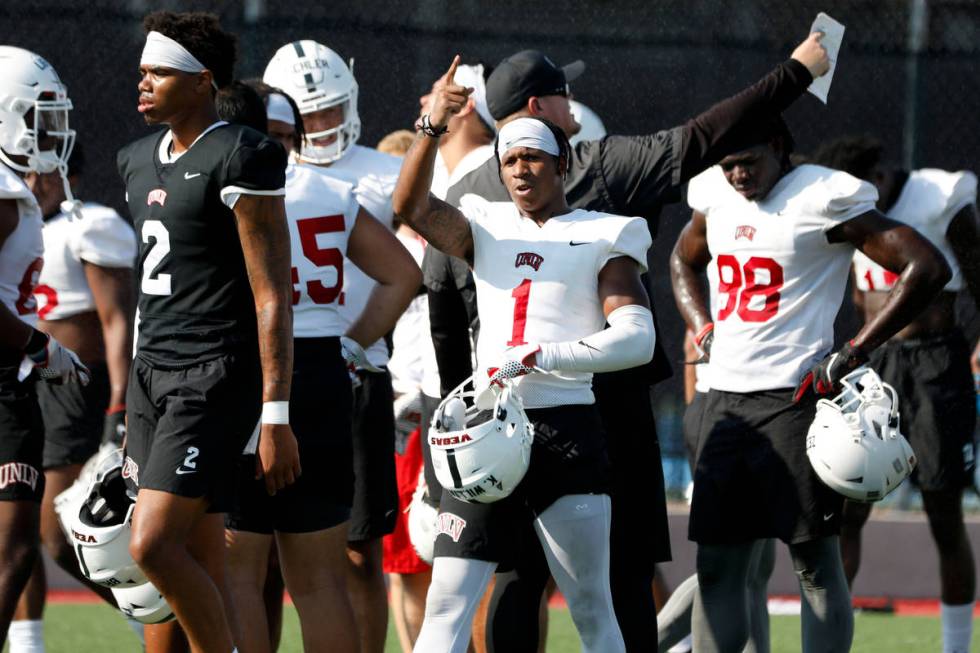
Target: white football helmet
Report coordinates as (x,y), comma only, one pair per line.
(101,525)
(480,455)
(592,127)
(317,78)
(422,517)
(29,85)
(144,603)
(854,443)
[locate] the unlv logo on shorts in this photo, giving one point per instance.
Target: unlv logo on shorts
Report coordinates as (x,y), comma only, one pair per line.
(131,470)
(744,231)
(11,473)
(530,259)
(451,525)
(157,195)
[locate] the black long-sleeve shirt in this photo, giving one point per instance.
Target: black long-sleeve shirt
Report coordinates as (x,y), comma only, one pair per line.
(625,175)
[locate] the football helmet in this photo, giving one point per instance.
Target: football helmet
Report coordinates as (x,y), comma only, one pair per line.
(480,455)
(144,603)
(422,517)
(317,78)
(100,528)
(854,443)
(592,127)
(34,108)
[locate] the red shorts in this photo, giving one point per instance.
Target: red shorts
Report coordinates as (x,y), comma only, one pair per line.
(399,555)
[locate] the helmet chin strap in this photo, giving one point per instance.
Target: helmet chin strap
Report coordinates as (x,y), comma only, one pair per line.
(69,206)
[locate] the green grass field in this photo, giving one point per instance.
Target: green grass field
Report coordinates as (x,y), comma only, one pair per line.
(96,629)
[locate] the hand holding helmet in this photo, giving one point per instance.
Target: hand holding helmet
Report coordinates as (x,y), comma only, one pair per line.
(854,443)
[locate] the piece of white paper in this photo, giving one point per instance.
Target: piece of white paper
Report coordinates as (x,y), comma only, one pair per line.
(833,34)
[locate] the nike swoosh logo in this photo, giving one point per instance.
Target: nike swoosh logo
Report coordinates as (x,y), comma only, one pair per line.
(188,175)
(585,344)
(828,517)
(574,244)
(186,471)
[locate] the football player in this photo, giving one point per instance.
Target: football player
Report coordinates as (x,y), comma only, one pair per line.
(777,241)
(214,352)
(84,296)
(324,89)
(310,518)
(34,137)
(549,278)
(927,362)
(625,175)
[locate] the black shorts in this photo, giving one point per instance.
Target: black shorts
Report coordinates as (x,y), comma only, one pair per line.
(21,438)
(568,457)
(752,478)
(375,508)
(73,418)
(937,402)
(319,414)
(691,427)
(187,427)
(637,489)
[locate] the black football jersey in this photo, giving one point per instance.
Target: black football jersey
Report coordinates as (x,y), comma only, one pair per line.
(195,301)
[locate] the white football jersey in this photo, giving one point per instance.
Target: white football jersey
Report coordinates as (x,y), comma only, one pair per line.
(929,201)
(777,283)
(373,175)
(100,237)
(540,284)
(321,212)
(22,254)
(413,357)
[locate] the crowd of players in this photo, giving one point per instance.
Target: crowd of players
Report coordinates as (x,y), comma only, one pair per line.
(308,306)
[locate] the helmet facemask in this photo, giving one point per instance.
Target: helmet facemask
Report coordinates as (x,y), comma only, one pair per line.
(345,134)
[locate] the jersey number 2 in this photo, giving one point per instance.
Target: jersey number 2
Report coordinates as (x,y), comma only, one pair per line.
(155,283)
(744,285)
(309,229)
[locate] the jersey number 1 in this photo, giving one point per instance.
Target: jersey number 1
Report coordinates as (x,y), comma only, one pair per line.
(521,294)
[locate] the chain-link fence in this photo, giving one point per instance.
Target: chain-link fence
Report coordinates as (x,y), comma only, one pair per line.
(907,73)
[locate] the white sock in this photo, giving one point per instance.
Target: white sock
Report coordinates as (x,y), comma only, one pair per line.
(957,627)
(137,629)
(26,636)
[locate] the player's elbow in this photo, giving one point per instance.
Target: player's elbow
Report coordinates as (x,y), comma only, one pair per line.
(935,271)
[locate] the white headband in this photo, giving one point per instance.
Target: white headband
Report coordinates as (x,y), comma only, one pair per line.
(526,132)
(165,52)
(278,108)
(472,77)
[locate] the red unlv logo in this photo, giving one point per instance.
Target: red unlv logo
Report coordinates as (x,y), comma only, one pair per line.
(131,470)
(157,195)
(11,473)
(451,525)
(744,231)
(529,258)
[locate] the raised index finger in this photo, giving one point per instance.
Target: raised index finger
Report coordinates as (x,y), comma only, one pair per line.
(452,71)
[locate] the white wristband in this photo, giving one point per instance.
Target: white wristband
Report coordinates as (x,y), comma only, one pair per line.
(275,412)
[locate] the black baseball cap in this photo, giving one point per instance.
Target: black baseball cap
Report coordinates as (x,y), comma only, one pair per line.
(527,74)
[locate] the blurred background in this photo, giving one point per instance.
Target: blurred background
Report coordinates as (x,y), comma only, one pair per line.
(907,73)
